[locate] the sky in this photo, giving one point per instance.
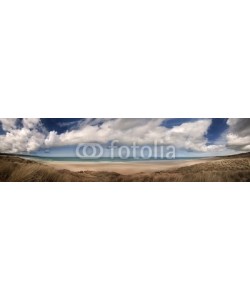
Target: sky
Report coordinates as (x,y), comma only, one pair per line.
(60,136)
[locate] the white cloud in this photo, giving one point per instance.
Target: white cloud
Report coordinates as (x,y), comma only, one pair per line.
(26,139)
(8,124)
(30,123)
(190,136)
(21,140)
(32,136)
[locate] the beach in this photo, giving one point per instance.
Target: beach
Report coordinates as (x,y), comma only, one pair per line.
(216,169)
(126,167)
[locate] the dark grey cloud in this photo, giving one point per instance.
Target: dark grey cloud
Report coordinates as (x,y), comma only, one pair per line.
(241,127)
(238,137)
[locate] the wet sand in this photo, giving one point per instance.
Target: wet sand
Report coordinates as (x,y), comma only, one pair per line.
(124,168)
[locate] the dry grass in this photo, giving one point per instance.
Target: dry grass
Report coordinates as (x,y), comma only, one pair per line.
(234,168)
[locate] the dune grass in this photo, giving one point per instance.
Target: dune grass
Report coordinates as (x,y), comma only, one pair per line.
(15,169)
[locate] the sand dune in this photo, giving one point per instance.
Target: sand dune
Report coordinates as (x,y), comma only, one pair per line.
(230,168)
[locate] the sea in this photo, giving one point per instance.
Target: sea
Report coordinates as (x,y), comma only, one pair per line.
(108,159)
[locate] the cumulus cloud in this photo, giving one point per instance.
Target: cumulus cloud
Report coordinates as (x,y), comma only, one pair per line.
(33,136)
(21,140)
(30,123)
(238,137)
(8,124)
(28,138)
(190,136)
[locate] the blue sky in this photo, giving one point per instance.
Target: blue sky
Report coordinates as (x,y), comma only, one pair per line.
(61,125)
(217,127)
(59,136)
(214,133)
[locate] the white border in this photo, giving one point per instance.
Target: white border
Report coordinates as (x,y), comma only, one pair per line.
(124,241)
(134,59)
